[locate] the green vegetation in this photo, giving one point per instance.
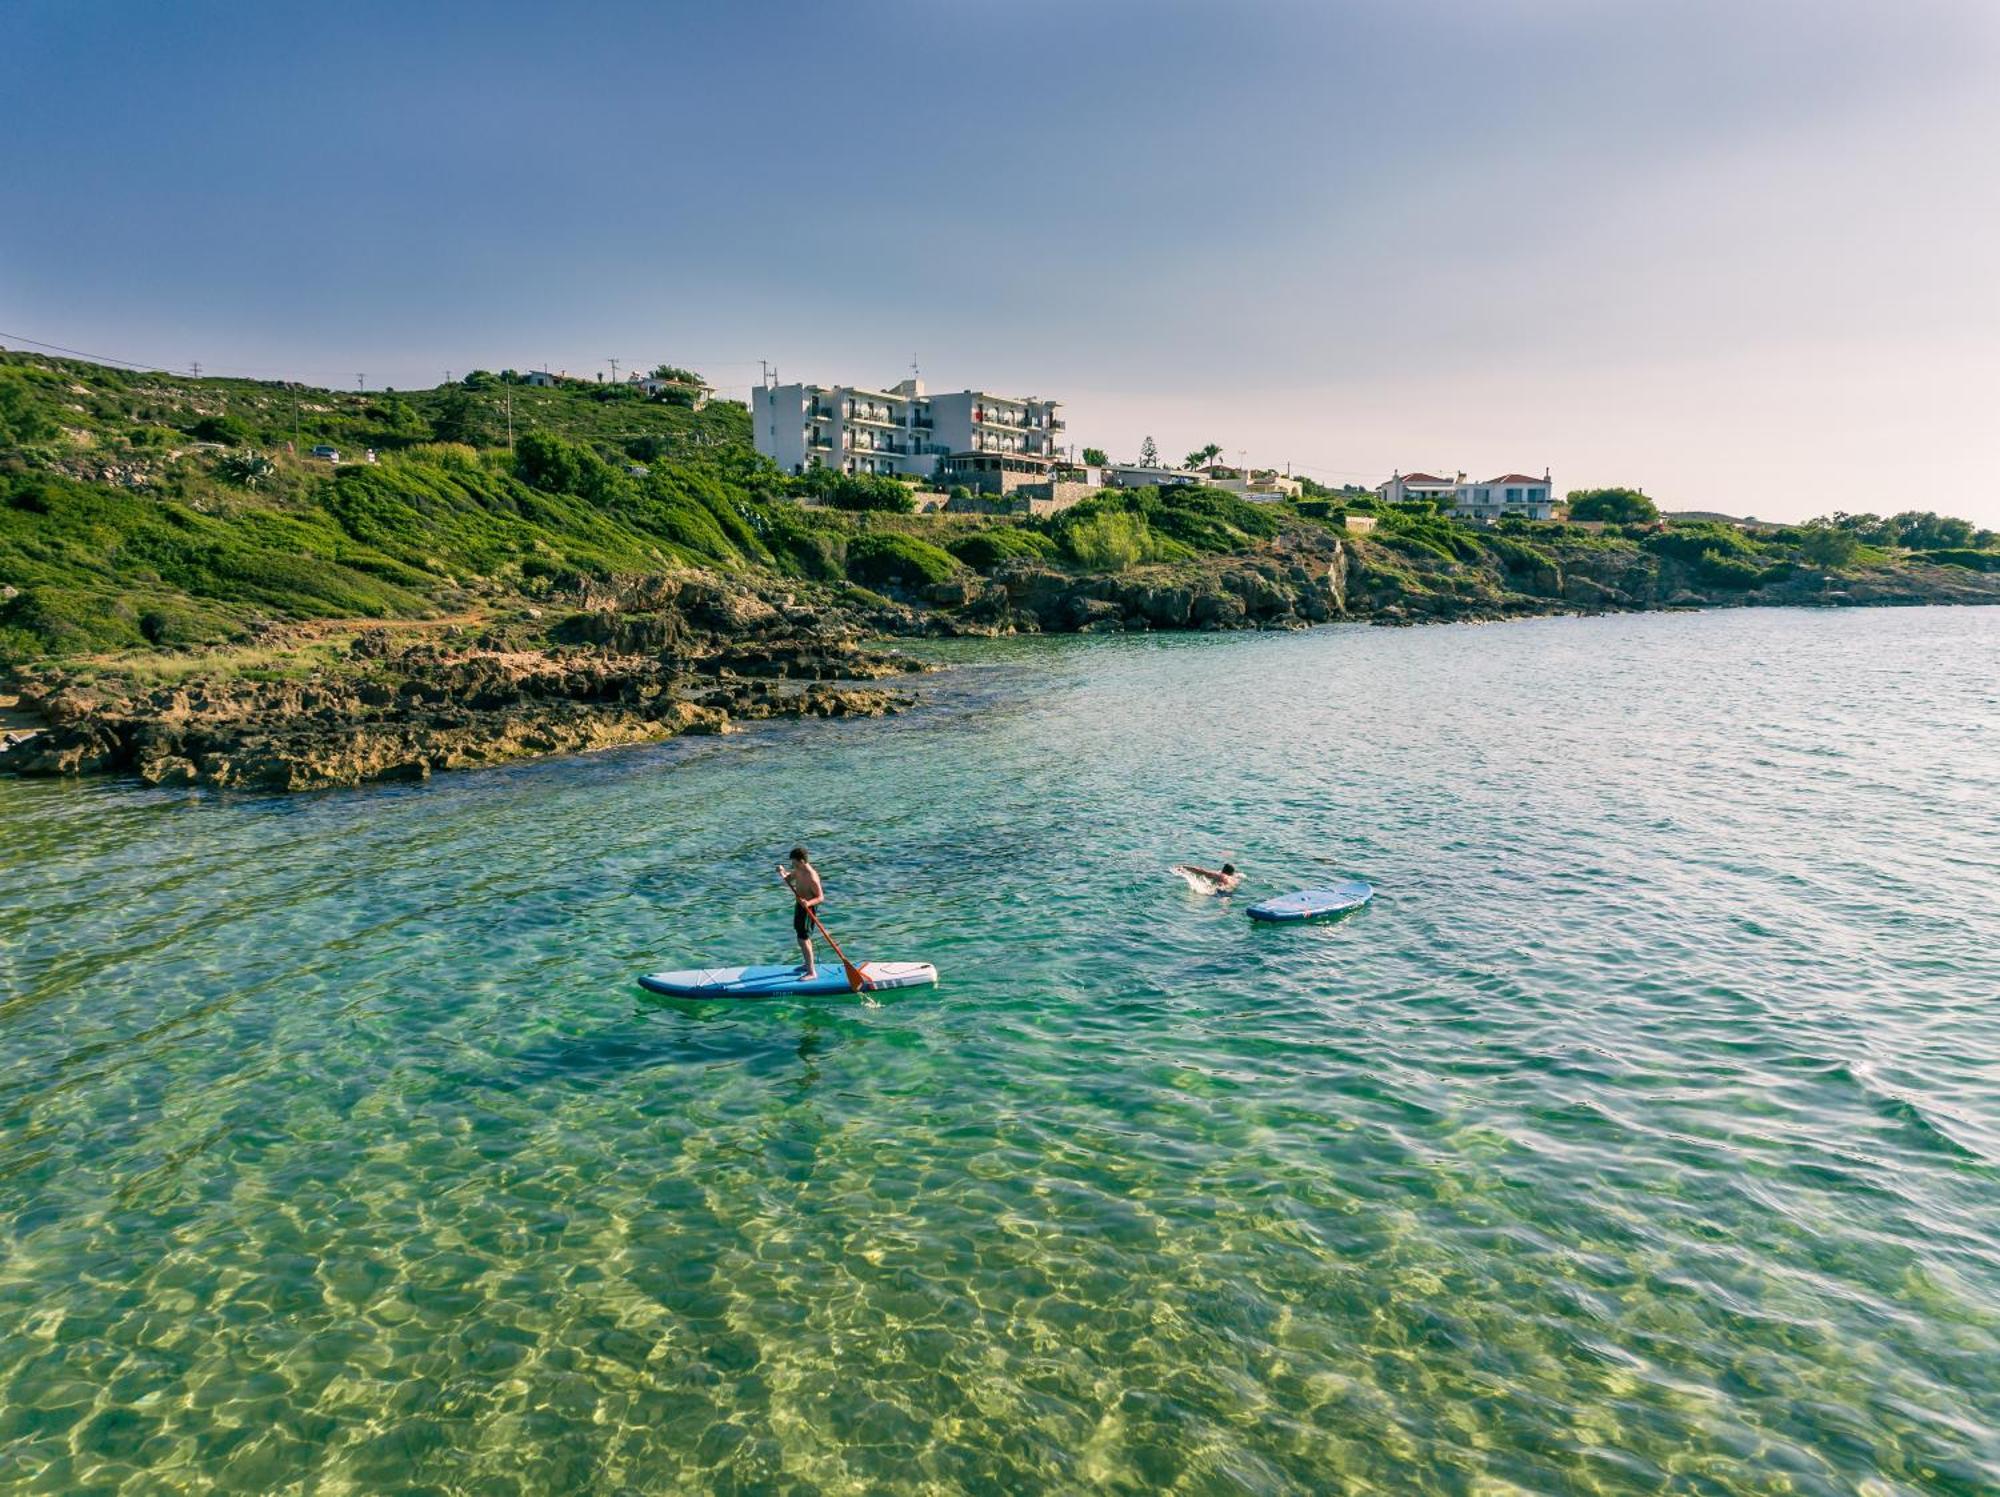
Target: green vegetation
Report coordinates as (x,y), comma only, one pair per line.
(1826,546)
(856,492)
(1125,527)
(1614,506)
(889,558)
(1917,530)
(1976,561)
(983,550)
(144,510)
(1095,457)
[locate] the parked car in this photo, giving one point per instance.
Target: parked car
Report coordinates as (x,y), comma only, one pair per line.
(330,454)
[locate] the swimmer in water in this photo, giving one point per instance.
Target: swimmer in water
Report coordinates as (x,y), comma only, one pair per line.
(1222,880)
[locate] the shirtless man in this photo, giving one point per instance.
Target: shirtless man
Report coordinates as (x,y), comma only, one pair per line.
(807,892)
(1224,879)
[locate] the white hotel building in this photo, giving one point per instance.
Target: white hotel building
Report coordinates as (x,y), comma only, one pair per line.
(989,441)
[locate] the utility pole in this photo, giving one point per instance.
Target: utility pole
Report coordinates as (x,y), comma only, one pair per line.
(614,371)
(447,376)
(361,382)
(196,366)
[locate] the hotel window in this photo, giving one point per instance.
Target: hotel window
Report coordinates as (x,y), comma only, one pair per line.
(1513,496)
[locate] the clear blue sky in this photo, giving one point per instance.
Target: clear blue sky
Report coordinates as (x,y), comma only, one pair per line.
(1742,252)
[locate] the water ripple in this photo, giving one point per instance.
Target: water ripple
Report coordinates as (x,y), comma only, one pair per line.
(1642,1136)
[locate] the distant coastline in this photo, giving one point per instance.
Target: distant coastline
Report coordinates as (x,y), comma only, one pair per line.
(237,583)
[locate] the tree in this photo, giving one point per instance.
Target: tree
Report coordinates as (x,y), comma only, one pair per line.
(21,420)
(545,462)
(1202,456)
(1095,457)
(1829,546)
(675,372)
(860,492)
(1149,454)
(1923,530)
(460,419)
(1613,506)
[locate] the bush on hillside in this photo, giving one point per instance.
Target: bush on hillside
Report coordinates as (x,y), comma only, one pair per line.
(228,430)
(1616,506)
(1689,541)
(1720,569)
(1421,530)
(1976,561)
(22,418)
(1826,546)
(859,493)
(1113,540)
(458,418)
(1165,524)
(885,557)
(545,462)
(987,549)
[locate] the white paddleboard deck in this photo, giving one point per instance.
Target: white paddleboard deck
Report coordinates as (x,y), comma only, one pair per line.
(772,982)
(1310,904)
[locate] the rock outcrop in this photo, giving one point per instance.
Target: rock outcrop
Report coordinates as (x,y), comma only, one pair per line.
(405,711)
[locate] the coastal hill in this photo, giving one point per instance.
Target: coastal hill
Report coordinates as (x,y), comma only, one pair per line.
(181,576)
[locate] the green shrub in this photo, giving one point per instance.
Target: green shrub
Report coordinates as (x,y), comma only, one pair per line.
(230,431)
(23,418)
(1720,569)
(1977,561)
(1516,555)
(1690,541)
(1110,541)
(986,549)
(1827,546)
(885,557)
(1616,505)
(856,492)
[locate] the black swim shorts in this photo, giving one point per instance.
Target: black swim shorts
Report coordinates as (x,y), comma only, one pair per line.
(801,921)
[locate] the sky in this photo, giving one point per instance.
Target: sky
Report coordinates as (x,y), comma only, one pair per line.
(1744,254)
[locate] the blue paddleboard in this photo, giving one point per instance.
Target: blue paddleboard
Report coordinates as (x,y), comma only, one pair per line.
(1310,904)
(774,982)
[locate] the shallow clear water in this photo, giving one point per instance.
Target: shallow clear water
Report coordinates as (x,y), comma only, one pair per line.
(1643,1135)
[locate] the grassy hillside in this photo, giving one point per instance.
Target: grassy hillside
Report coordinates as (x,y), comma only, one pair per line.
(143,509)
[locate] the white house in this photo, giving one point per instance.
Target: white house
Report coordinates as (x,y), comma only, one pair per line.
(1511,494)
(652,385)
(1257,484)
(1132,476)
(906,431)
(542,378)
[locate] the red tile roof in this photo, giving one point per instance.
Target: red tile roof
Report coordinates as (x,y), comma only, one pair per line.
(1424,478)
(1516,478)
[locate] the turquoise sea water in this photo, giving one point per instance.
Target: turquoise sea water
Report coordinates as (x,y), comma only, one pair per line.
(1642,1136)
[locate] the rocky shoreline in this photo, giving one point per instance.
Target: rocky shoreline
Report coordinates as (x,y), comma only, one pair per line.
(648,664)
(592,663)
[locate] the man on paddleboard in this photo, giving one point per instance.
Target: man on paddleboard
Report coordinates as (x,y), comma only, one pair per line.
(807,892)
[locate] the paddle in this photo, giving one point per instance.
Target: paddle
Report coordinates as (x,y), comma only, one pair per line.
(857,981)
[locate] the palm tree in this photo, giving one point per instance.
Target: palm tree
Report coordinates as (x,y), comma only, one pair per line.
(1202,456)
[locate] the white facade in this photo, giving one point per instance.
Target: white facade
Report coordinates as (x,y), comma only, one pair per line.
(1132,476)
(1511,494)
(649,385)
(903,431)
(1260,485)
